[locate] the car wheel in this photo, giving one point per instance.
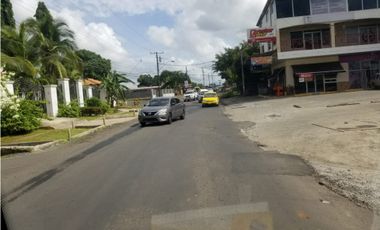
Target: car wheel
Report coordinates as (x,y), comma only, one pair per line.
(170,119)
(142,124)
(183,115)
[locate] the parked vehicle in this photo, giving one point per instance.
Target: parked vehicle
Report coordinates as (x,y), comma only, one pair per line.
(190,95)
(162,109)
(201,93)
(210,98)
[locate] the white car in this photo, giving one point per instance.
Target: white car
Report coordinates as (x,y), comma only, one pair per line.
(190,95)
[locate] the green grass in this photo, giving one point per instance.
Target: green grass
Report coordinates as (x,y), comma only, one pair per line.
(41,135)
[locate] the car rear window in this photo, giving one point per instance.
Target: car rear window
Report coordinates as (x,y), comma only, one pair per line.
(210,95)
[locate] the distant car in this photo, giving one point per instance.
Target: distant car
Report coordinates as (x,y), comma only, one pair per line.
(201,93)
(210,98)
(162,109)
(190,95)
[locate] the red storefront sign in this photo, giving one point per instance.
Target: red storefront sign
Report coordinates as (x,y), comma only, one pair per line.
(261,35)
(305,75)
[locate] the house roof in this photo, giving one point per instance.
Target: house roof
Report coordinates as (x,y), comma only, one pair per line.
(91,81)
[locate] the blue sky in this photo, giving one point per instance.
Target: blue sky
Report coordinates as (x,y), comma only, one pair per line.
(126,31)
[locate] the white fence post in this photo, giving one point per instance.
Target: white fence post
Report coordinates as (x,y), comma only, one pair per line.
(79,88)
(64,83)
(10,88)
(52,100)
(89,91)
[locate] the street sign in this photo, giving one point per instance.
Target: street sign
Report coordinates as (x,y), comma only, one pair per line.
(301,79)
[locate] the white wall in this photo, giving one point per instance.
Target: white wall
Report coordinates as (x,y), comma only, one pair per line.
(328,51)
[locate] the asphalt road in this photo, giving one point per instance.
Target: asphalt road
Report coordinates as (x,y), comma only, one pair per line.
(197,173)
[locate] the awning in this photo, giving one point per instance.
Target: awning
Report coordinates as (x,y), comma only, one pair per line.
(327,67)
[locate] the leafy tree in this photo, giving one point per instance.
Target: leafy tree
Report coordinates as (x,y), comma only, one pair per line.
(174,79)
(7,18)
(94,65)
(115,85)
(228,63)
(147,80)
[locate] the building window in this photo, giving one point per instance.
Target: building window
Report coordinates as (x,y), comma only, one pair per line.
(352,37)
(326,38)
(337,6)
(301,7)
(355,5)
(284,8)
(369,4)
(319,6)
(296,40)
(310,39)
(368,35)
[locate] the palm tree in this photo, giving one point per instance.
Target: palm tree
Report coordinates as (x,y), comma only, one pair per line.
(115,85)
(57,52)
(19,46)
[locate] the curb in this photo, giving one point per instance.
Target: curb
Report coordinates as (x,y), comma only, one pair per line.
(9,150)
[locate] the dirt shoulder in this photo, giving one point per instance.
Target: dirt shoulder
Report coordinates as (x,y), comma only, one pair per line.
(338,134)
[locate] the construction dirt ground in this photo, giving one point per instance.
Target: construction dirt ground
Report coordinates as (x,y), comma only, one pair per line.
(337,134)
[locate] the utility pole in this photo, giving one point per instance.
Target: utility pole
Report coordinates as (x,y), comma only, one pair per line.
(208,76)
(186,69)
(242,70)
(203,75)
(157,61)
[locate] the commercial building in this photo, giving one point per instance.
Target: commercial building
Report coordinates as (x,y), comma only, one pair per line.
(322,45)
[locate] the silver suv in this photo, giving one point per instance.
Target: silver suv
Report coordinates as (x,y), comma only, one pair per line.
(162,109)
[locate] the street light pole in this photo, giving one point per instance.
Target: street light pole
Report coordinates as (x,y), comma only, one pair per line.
(157,61)
(242,70)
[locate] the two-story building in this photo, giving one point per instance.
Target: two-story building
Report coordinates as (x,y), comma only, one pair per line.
(323,45)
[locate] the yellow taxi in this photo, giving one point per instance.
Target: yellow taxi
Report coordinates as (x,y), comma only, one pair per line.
(210,98)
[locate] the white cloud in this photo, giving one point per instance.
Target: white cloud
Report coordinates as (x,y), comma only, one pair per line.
(24,9)
(97,37)
(106,7)
(201,28)
(161,34)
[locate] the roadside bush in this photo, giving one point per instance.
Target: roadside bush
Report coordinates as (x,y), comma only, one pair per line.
(96,102)
(71,110)
(229,94)
(91,111)
(20,118)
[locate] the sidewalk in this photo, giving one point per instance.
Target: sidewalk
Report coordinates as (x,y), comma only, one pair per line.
(66,123)
(338,134)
